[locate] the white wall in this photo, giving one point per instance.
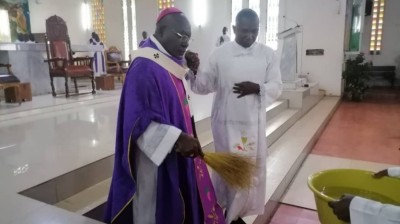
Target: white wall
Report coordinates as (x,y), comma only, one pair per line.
(323,28)
(114,23)
(146,15)
(390,52)
(69,10)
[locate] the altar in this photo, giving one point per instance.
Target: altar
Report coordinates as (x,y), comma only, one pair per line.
(27,60)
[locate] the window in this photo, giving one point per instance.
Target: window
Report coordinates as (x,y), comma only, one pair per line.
(236,7)
(85,13)
(163,4)
(98,19)
(378,12)
(134,31)
(272,24)
(355,32)
(199,12)
(126,30)
(5,33)
(255,5)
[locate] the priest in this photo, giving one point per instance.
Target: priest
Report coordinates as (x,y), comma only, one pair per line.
(246,78)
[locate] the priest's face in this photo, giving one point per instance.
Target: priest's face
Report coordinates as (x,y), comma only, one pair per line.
(246,31)
(176,36)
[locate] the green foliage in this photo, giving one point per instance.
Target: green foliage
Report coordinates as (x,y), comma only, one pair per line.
(355,76)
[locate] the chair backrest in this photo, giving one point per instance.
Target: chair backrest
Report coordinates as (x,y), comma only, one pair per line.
(57,38)
(113,54)
(59,49)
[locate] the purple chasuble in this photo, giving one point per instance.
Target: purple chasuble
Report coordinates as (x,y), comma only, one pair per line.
(184,190)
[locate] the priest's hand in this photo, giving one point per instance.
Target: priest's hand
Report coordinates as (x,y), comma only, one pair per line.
(341,208)
(188,146)
(192,61)
(246,88)
(382,173)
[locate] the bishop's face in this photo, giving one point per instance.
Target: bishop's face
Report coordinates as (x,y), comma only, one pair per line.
(175,38)
(246,31)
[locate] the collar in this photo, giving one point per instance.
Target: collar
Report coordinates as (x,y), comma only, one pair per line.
(158,45)
(238,50)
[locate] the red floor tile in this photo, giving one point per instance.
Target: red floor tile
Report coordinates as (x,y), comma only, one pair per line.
(286,214)
(368,131)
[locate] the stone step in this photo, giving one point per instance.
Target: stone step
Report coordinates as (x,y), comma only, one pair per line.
(288,153)
(280,124)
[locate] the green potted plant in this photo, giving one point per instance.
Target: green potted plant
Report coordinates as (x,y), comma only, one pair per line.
(355,75)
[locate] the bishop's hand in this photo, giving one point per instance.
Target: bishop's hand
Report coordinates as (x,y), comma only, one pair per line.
(188,146)
(192,61)
(246,88)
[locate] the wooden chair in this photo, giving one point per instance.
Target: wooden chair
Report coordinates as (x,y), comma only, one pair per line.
(115,65)
(59,56)
(9,80)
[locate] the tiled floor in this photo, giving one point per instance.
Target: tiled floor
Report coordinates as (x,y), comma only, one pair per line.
(287,214)
(47,103)
(362,135)
(88,199)
(41,146)
(363,131)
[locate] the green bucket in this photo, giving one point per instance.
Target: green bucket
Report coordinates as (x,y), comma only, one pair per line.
(329,185)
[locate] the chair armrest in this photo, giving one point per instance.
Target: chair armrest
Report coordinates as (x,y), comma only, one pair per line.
(113,64)
(55,59)
(57,62)
(88,61)
(82,58)
(124,62)
(5,65)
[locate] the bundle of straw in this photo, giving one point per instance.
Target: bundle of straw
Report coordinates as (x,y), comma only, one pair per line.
(236,170)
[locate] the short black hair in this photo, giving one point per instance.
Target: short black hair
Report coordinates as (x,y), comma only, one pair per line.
(246,14)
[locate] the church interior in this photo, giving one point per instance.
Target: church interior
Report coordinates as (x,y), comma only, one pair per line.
(339,108)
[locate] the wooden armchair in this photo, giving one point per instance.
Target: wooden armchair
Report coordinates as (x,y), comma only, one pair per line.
(114,64)
(59,56)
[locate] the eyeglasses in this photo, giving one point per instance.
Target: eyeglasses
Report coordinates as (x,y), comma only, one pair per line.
(184,37)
